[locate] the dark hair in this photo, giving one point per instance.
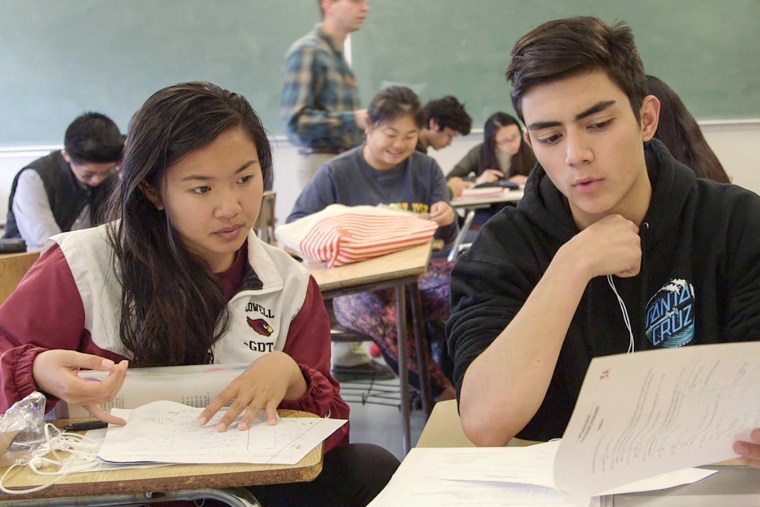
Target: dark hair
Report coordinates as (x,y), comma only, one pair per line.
(393,102)
(93,138)
(173,308)
(521,162)
(565,47)
(680,133)
(448,112)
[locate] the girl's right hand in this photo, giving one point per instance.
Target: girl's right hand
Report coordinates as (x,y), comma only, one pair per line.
(55,372)
(489,176)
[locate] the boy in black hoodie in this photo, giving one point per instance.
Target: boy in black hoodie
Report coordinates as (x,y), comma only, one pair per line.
(607,212)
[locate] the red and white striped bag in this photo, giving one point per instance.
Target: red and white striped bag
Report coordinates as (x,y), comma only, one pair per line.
(340,234)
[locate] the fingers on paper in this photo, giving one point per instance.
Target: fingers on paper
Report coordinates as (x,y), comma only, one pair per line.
(97,411)
(749,452)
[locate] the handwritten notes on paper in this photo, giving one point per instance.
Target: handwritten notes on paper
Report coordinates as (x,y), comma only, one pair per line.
(168,432)
(656,411)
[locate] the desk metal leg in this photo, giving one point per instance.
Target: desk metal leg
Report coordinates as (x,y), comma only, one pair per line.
(462,233)
(422,346)
(403,371)
(235,497)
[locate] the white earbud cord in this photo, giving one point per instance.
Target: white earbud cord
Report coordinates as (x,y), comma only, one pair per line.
(82,457)
(625,313)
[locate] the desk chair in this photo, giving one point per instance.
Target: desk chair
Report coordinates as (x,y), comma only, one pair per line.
(264,226)
(13,267)
(383,392)
(377,392)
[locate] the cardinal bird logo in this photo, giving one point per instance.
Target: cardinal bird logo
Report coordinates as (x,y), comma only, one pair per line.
(260,326)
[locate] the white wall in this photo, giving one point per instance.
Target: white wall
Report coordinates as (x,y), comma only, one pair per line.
(737,145)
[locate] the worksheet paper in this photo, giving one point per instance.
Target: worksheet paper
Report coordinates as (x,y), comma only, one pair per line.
(422,481)
(168,432)
(651,412)
(194,385)
(476,476)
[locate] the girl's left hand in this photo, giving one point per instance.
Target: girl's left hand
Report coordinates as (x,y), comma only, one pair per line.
(442,213)
(749,451)
(262,386)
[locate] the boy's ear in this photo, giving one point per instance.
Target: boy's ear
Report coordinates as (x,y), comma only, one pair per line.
(151,194)
(650,116)
(433,125)
(526,139)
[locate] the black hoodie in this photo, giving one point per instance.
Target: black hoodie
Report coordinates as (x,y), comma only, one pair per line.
(699,281)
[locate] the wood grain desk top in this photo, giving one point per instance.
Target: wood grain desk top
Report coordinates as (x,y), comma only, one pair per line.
(375,272)
(167,478)
(483,200)
(13,267)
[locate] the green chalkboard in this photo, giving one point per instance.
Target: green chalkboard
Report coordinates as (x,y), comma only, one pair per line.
(707,50)
(59,58)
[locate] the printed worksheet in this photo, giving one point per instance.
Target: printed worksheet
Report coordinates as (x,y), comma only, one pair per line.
(168,432)
(651,412)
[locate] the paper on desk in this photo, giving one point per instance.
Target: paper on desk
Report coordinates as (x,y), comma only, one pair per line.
(652,412)
(484,191)
(194,385)
(168,432)
(534,464)
(96,437)
(418,483)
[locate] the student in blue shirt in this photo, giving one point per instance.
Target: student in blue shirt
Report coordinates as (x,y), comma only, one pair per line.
(387,170)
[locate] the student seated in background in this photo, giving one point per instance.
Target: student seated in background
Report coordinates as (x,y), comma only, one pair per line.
(387,170)
(501,155)
(182,279)
(445,119)
(607,213)
(680,133)
(66,190)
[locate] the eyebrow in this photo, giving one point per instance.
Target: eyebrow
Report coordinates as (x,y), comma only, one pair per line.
(199,177)
(394,129)
(596,108)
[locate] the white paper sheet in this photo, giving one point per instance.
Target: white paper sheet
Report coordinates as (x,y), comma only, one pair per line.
(657,411)
(168,432)
(418,483)
(534,465)
(194,385)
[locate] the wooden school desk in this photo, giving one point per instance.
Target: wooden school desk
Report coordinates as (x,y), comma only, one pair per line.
(400,271)
(176,482)
(13,267)
(471,204)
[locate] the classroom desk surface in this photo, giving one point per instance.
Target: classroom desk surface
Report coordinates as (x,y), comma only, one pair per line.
(470,204)
(505,195)
(165,479)
(13,267)
(374,273)
(400,271)
(444,429)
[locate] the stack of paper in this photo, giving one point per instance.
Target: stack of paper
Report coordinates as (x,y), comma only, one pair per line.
(640,420)
(497,476)
(194,385)
(168,432)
